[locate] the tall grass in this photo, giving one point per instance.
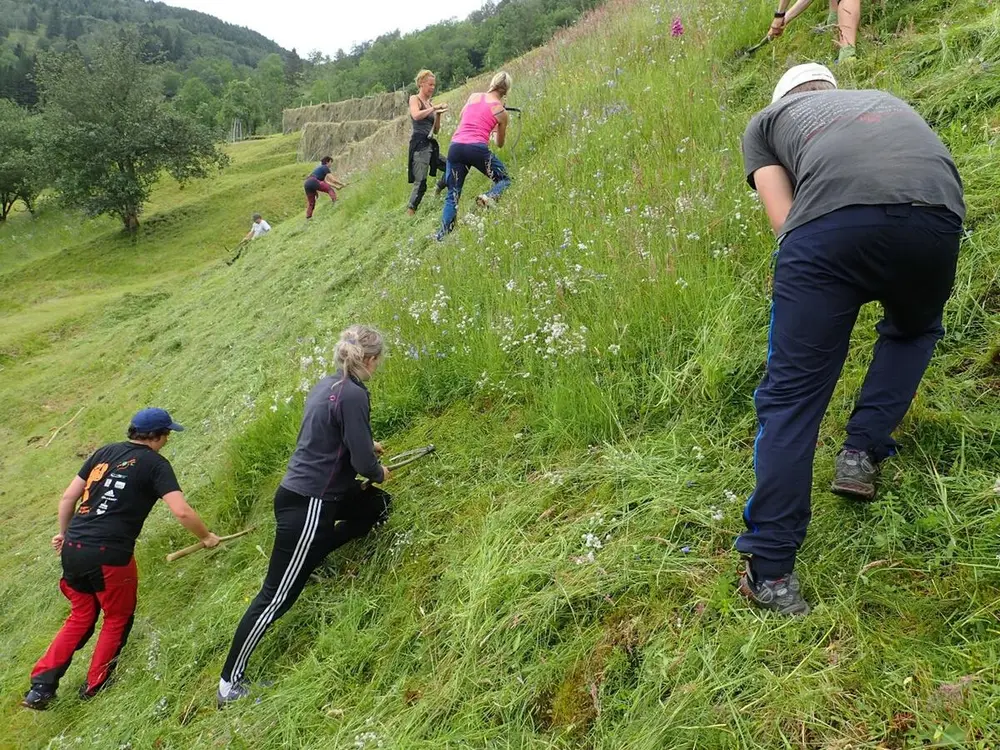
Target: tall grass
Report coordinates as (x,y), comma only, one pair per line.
(560,576)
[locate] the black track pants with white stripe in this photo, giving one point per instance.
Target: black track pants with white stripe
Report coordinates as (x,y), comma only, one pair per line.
(307,530)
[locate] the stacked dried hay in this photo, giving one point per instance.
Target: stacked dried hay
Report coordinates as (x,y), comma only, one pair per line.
(381,107)
(321,139)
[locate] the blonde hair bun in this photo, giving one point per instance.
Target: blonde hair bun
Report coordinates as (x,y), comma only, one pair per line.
(501,83)
(357,343)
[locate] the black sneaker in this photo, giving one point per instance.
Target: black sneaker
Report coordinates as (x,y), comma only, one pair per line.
(38,698)
(779,594)
(237,691)
(854,476)
(86,692)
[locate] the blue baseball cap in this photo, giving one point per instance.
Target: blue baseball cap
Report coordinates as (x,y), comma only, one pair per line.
(151,420)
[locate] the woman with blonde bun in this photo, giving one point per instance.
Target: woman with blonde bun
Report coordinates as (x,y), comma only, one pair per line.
(424,155)
(483,114)
(320,504)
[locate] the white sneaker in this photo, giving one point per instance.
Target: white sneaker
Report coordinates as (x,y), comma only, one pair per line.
(486,201)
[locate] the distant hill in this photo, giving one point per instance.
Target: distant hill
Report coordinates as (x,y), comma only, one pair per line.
(176,35)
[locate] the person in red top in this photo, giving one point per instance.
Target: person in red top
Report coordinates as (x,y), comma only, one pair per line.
(116,488)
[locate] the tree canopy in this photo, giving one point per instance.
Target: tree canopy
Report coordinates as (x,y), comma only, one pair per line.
(108,132)
(21,172)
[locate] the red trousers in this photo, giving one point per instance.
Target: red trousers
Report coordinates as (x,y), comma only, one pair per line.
(313,186)
(110,589)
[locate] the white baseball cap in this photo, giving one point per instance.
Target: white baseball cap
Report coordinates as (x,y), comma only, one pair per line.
(802,74)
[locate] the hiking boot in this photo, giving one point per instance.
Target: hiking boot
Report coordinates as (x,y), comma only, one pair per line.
(86,692)
(781,595)
(848,54)
(485,201)
(854,476)
(237,691)
(38,698)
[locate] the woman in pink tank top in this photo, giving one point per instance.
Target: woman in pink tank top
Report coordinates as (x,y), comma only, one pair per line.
(483,114)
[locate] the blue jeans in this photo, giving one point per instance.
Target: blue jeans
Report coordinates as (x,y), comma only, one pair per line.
(461,158)
(903,256)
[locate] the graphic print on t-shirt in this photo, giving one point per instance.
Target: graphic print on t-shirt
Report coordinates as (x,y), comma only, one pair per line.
(123,483)
(96,475)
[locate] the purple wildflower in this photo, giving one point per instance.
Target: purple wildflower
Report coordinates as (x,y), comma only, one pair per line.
(676,28)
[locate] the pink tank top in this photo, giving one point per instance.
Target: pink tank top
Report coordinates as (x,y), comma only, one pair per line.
(477,122)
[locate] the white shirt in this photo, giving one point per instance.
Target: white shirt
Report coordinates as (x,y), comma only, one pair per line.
(259,229)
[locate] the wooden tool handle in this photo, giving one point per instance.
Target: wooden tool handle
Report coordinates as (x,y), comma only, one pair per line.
(198,545)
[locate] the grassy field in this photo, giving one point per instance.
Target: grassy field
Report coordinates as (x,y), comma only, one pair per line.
(561,576)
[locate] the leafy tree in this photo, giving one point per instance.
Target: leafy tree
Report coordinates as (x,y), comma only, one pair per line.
(172,82)
(107,126)
(216,72)
(32,23)
(293,69)
(269,79)
(54,24)
(21,174)
(197,100)
(74,29)
(242,101)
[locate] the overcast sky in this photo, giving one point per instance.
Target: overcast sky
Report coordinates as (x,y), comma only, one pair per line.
(327,25)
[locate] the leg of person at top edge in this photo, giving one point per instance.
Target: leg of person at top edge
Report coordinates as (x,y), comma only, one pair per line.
(307,531)
(848,21)
(457,173)
(421,166)
(117,602)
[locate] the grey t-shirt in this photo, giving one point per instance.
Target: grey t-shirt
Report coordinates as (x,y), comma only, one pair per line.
(335,441)
(849,148)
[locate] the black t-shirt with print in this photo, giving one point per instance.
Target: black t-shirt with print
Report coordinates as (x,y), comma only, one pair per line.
(124,481)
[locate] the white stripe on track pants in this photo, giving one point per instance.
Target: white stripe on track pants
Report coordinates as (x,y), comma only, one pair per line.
(306,532)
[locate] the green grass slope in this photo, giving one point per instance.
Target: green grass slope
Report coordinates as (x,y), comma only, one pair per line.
(584,357)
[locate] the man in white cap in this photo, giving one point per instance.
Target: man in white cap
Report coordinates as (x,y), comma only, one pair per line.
(866,203)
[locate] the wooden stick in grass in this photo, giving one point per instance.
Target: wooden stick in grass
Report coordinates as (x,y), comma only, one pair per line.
(60,427)
(198,545)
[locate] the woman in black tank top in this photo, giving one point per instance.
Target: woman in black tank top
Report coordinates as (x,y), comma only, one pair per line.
(424,155)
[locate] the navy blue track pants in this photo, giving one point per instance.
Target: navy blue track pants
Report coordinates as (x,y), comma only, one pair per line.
(900,255)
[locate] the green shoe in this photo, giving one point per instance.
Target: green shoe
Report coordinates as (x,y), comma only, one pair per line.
(847,54)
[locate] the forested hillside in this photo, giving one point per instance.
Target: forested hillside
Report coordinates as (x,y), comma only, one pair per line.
(174,35)
(454,50)
(217,72)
